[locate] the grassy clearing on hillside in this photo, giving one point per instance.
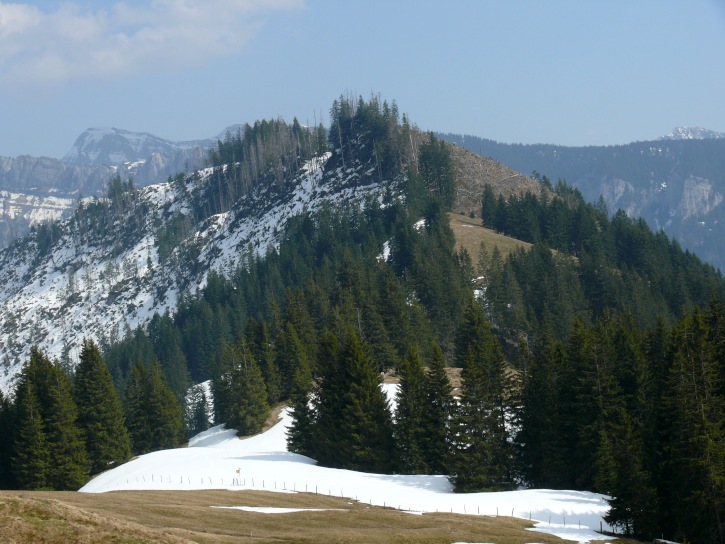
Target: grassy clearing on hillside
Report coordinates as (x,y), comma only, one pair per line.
(167,516)
(469,234)
(41,518)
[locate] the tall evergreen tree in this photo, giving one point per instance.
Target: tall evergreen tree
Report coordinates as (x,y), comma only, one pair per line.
(354,424)
(196,416)
(481,455)
(239,392)
(543,432)
(260,342)
(31,460)
(69,461)
(135,410)
(7,429)
(100,414)
(633,503)
(164,413)
(410,432)
(439,408)
(697,451)
(48,393)
(301,434)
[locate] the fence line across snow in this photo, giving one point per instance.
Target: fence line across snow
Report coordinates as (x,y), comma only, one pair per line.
(274,485)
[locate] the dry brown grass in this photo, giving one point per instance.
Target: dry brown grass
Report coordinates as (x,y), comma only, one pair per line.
(40,519)
(473,172)
(174,516)
(470,234)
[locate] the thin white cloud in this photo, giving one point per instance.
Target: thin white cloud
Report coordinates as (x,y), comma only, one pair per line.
(75,42)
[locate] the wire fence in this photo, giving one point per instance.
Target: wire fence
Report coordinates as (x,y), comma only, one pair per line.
(186,481)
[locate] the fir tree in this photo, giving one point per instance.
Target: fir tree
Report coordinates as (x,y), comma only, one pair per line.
(100,414)
(410,432)
(439,407)
(135,410)
(239,393)
(355,427)
(302,432)
(697,451)
(164,414)
(545,450)
(69,461)
(633,503)
(481,456)
(31,460)
(197,417)
(260,342)
(7,427)
(43,397)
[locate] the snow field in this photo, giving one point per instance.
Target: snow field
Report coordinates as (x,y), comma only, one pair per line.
(217,459)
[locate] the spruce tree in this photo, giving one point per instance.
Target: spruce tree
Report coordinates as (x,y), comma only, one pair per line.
(43,398)
(164,413)
(100,414)
(544,425)
(31,460)
(239,392)
(197,418)
(302,432)
(633,505)
(697,452)
(136,411)
(481,455)
(260,342)
(439,407)
(292,358)
(69,461)
(410,432)
(355,426)
(365,422)
(7,426)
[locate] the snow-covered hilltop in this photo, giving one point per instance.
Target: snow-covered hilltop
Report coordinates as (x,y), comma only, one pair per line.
(692,133)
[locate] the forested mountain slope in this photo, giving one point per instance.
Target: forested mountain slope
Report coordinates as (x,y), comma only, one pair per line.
(304,262)
(674,184)
(135,252)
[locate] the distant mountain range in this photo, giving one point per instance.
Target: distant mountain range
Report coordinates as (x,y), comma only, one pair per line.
(115,147)
(676,183)
(37,189)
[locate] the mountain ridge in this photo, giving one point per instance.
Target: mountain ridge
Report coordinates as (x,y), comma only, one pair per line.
(141,259)
(675,185)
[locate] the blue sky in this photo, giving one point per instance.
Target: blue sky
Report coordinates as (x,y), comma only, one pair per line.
(571,72)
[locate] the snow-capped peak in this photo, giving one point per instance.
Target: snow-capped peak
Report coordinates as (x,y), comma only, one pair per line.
(692,133)
(113,147)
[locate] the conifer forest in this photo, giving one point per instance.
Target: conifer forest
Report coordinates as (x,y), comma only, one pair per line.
(593,360)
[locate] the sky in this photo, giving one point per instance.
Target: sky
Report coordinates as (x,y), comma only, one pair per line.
(568,72)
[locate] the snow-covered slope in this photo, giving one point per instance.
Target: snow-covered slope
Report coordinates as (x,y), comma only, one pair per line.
(217,459)
(87,278)
(692,133)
